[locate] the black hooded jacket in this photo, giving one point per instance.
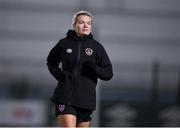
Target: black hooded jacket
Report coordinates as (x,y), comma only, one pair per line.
(84,60)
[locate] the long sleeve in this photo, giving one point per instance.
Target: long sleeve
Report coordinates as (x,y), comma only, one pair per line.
(53,61)
(104,68)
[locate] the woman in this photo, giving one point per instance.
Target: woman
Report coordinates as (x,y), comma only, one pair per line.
(83,60)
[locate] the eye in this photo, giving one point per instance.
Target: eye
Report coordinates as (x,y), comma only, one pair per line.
(80,22)
(89,23)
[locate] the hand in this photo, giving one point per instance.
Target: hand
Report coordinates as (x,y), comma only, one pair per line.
(58,74)
(88,67)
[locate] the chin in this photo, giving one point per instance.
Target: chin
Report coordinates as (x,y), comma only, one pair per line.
(85,33)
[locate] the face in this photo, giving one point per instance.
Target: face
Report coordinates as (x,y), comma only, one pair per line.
(83,25)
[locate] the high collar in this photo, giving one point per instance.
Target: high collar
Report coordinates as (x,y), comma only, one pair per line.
(72,34)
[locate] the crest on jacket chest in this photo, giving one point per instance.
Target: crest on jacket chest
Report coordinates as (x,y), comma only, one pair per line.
(88,51)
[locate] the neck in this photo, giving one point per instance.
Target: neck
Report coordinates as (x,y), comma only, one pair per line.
(79,35)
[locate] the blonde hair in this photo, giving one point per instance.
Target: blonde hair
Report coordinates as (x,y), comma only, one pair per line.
(80,13)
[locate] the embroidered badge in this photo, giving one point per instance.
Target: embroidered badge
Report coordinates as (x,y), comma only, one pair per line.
(69,50)
(88,51)
(61,108)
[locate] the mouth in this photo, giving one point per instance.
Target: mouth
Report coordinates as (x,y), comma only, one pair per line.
(84,30)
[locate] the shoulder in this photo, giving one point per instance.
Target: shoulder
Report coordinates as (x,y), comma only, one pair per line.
(62,42)
(98,45)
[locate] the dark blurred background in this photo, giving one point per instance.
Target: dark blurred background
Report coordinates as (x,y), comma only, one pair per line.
(142,38)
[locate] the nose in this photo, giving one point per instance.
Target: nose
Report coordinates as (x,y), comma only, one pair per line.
(85,25)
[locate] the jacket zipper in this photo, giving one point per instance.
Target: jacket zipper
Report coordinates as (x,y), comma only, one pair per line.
(78,58)
(76,67)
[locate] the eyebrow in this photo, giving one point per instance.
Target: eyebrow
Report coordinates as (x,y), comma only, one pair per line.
(86,21)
